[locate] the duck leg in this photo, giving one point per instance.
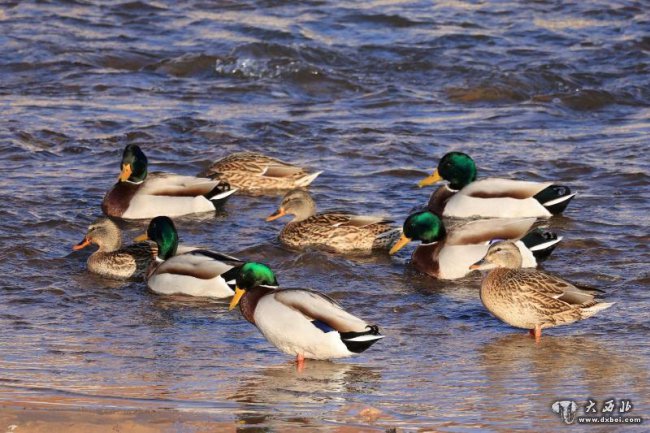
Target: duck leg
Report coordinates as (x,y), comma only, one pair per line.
(300,362)
(538,333)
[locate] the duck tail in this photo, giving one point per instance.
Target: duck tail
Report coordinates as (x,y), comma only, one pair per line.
(306,180)
(541,242)
(590,311)
(555,198)
(219,194)
(357,342)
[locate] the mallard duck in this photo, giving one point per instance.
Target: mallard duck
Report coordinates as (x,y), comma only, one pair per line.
(465,197)
(112,260)
(139,194)
(251,171)
(338,231)
(198,272)
(448,254)
(528,298)
(299,322)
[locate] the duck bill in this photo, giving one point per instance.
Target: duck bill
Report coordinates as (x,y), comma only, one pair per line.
(81,245)
(399,244)
(430,180)
(125,174)
(143,237)
(481,264)
(277,214)
(235,299)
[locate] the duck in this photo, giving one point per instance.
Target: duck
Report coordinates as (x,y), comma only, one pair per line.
(447,254)
(464,196)
(256,172)
(196,272)
(112,260)
(529,298)
(300,322)
(139,194)
(338,231)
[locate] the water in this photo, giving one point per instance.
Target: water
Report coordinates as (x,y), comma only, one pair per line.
(373,94)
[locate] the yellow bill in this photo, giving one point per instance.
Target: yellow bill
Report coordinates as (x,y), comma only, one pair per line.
(235,299)
(143,237)
(125,174)
(399,244)
(435,177)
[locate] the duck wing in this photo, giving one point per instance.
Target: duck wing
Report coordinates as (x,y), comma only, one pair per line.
(549,286)
(167,184)
(503,188)
(196,264)
(316,306)
(482,231)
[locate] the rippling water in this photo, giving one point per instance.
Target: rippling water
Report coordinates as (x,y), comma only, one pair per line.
(373,93)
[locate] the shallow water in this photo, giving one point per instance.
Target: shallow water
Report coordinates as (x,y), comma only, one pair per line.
(373,94)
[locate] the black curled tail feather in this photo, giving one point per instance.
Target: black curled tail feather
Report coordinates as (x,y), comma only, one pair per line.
(219,194)
(541,242)
(357,342)
(555,198)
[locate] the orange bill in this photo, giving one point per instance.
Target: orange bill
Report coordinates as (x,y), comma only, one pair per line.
(277,214)
(399,244)
(125,174)
(81,245)
(143,237)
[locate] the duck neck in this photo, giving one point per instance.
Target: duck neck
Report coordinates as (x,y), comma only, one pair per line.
(249,301)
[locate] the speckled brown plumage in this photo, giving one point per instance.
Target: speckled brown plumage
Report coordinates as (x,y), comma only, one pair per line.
(340,232)
(250,171)
(526,298)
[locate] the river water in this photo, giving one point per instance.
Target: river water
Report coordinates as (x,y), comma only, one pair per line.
(373,93)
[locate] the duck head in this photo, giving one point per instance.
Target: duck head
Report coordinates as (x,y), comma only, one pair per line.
(134,165)
(162,231)
(104,233)
(250,275)
(421,226)
(503,254)
(457,168)
(296,202)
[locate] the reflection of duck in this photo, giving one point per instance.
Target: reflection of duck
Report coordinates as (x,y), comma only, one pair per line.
(567,367)
(528,298)
(336,230)
(322,387)
(251,171)
(139,194)
(465,197)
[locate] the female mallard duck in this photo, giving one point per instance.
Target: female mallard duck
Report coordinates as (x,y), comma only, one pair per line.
(251,171)
(112,260)
(138,194)
(299,322)
(195,273)
(339,231)
(448,254)
(528,298)
(465,197)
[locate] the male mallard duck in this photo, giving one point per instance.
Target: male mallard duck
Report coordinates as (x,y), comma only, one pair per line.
(339,231)
(251,171)
(138,194)
(448,254)
(528,298)
(465,197)
(112,260)
(299,322)
(197,272)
